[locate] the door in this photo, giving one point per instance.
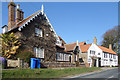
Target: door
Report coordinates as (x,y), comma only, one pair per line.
(99,62)
(94,62)
(70,59)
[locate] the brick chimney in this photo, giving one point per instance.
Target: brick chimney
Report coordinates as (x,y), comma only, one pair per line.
(95,40)
(110,46)
(11,13)
(19,14)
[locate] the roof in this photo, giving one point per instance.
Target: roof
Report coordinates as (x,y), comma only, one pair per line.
(62,40)
(84,48)
(70,47)
(82,43)
(24,21)
(60,46)
(104,49)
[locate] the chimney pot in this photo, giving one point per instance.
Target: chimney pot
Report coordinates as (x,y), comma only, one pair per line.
(95,40)
(110,46)
(19,14)
(17,6)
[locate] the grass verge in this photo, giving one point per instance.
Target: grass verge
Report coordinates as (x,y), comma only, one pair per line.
(46,73)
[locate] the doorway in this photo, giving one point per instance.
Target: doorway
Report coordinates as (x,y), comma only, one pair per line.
(99,62)
(70,59)
(94,62)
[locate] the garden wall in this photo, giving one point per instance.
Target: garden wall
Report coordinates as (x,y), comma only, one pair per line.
(60,64)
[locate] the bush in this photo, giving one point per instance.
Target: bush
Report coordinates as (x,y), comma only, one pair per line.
(26,56)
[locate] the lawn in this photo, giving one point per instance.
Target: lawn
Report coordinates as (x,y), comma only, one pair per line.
(45,73)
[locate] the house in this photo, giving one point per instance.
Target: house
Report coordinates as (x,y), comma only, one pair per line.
(36,34)
(74,49)
(98,56)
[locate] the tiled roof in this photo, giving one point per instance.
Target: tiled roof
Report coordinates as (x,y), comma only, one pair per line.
(84,48)
(70,47)
(82,43)
(104,49)
(23,21)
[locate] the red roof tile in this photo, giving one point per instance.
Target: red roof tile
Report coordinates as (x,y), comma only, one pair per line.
(70,47)
(84,48)
(82,43)
(104,49)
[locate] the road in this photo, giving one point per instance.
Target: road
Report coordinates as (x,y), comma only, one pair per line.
(110,74)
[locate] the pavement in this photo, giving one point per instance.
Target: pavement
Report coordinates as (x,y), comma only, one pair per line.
(104,74)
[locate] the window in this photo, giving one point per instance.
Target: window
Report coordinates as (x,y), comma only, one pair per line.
(57,56)
(104,55)
(111,55)
(114,56)
(92,52)
(39,52)
(38,32)
(62,57)
(98,53)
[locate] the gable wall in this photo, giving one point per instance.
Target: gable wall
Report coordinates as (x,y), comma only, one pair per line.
(29,40)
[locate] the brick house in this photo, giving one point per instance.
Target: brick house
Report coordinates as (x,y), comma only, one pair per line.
(36,35)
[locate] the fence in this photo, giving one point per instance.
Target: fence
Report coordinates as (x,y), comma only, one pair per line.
(15,63)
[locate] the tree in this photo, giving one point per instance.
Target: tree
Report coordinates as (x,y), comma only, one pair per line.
(112,37)
(10,44)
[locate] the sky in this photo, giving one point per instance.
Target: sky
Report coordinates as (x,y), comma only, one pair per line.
(73,21)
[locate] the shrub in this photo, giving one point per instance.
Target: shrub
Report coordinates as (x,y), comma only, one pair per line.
(26,56)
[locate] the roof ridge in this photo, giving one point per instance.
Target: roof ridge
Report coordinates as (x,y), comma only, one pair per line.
(82,41)
(70,43)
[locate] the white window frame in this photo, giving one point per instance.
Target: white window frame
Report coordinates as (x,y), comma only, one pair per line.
(38,52)
(38,32)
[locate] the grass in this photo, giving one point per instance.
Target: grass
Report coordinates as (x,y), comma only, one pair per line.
(45,73)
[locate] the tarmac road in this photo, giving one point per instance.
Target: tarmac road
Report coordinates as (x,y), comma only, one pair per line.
(110,74)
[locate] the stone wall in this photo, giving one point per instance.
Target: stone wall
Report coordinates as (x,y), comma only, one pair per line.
(57,64)
(84,57)
(61,64)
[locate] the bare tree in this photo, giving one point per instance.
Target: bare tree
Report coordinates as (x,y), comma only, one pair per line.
(112,36)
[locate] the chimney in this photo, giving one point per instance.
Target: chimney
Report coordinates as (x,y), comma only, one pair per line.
(11,13)
(110,46)
(22,15)
(95,40)
(19,14)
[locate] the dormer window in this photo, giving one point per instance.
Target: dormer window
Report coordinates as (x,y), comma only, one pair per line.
(38,32)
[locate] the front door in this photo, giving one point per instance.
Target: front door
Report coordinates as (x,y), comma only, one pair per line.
(94,62)
(99,62)
(70,59)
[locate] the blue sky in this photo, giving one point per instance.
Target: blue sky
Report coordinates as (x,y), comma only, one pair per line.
(73,21)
